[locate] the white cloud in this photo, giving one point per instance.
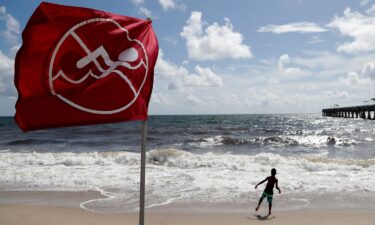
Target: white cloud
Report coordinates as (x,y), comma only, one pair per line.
(301,27)
(12,27)
(232,99)
(337,94)
(368,70)
(352,78)
(13,50)
(362,78)
(6,75)
(323,62)
(138,2)
(371,10)
(283,63)
(11,35)
(215,42)
(146,12)
(171,4)
(158,98)
(174,86)
(283,59)
(315,39)
(170,40)
(2,87)
(359,27)
(167,69)
(6,65)
(364,2)
(263,96)
(203,77)
(193,100)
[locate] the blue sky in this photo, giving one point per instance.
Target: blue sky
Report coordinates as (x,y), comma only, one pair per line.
(287,56)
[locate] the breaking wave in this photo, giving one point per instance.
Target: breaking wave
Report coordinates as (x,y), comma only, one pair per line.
(308,141)
(176,175)
(173,158)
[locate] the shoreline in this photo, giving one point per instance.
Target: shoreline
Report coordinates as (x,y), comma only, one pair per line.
(44,215)
(86,200)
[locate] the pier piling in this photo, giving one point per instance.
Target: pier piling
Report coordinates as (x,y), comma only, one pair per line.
(363,111)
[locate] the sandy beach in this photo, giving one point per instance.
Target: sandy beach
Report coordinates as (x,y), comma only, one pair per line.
(61,208)
(41,215)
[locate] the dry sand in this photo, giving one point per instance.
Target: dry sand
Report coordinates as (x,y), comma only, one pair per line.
(43,215)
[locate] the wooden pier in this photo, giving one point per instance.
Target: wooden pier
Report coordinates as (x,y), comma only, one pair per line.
(363,111)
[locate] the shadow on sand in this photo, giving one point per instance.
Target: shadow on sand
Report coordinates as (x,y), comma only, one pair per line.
(259,217)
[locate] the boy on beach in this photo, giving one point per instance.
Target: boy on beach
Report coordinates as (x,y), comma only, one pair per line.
(268,191)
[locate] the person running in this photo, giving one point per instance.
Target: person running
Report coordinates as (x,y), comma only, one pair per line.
(268,191)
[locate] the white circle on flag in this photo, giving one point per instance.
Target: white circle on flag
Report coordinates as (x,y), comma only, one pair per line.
(130,59)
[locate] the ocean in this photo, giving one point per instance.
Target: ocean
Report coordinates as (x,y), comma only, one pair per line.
(198,162)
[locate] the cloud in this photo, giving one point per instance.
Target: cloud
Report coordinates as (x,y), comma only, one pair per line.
(283,62)
(6,75)
(6,65)
(12,27)
(171,4)
(193,100)
(11,35)
(352,78)
(146,12)
(203,76)
(263,96)
(315,39)
(364,2)
(364,77)
(138,2)
(215,42)
(283,59)
(158,98)
(170,40)
(359,27)
(368,70)
(371,10)
(301,27)
(337,94)
(167,69)
(173,86)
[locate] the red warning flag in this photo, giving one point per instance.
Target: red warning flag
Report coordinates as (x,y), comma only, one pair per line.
(80,66)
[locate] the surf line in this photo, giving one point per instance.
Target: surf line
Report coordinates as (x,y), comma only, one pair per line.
(168,201)
(102,192)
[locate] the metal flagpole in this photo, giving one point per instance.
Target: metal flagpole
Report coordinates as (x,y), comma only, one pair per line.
(143,175)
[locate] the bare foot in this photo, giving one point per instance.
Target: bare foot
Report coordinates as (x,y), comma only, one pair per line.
(256,209)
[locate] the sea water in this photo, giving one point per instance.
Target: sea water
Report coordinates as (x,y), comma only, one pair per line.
(201,162)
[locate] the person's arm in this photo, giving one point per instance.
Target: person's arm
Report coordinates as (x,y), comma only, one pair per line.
(277,186)
(256,186)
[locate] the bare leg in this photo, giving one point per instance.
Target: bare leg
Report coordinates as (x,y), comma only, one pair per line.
(269,208)
(260,202)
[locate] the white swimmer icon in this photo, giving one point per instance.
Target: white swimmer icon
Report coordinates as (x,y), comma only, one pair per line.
(125,59)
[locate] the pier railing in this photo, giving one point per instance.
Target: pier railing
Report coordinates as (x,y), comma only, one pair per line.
(362,111)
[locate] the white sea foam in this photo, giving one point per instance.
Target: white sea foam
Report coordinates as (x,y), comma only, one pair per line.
(307,140)
(179,176)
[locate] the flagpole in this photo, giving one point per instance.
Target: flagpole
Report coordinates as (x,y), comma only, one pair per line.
(143,175)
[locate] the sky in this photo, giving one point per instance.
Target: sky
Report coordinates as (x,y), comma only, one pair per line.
(238,56)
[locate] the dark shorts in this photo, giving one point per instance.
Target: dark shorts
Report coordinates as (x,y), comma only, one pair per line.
(269,197)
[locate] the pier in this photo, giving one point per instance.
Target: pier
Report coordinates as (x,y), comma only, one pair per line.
(363,111)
